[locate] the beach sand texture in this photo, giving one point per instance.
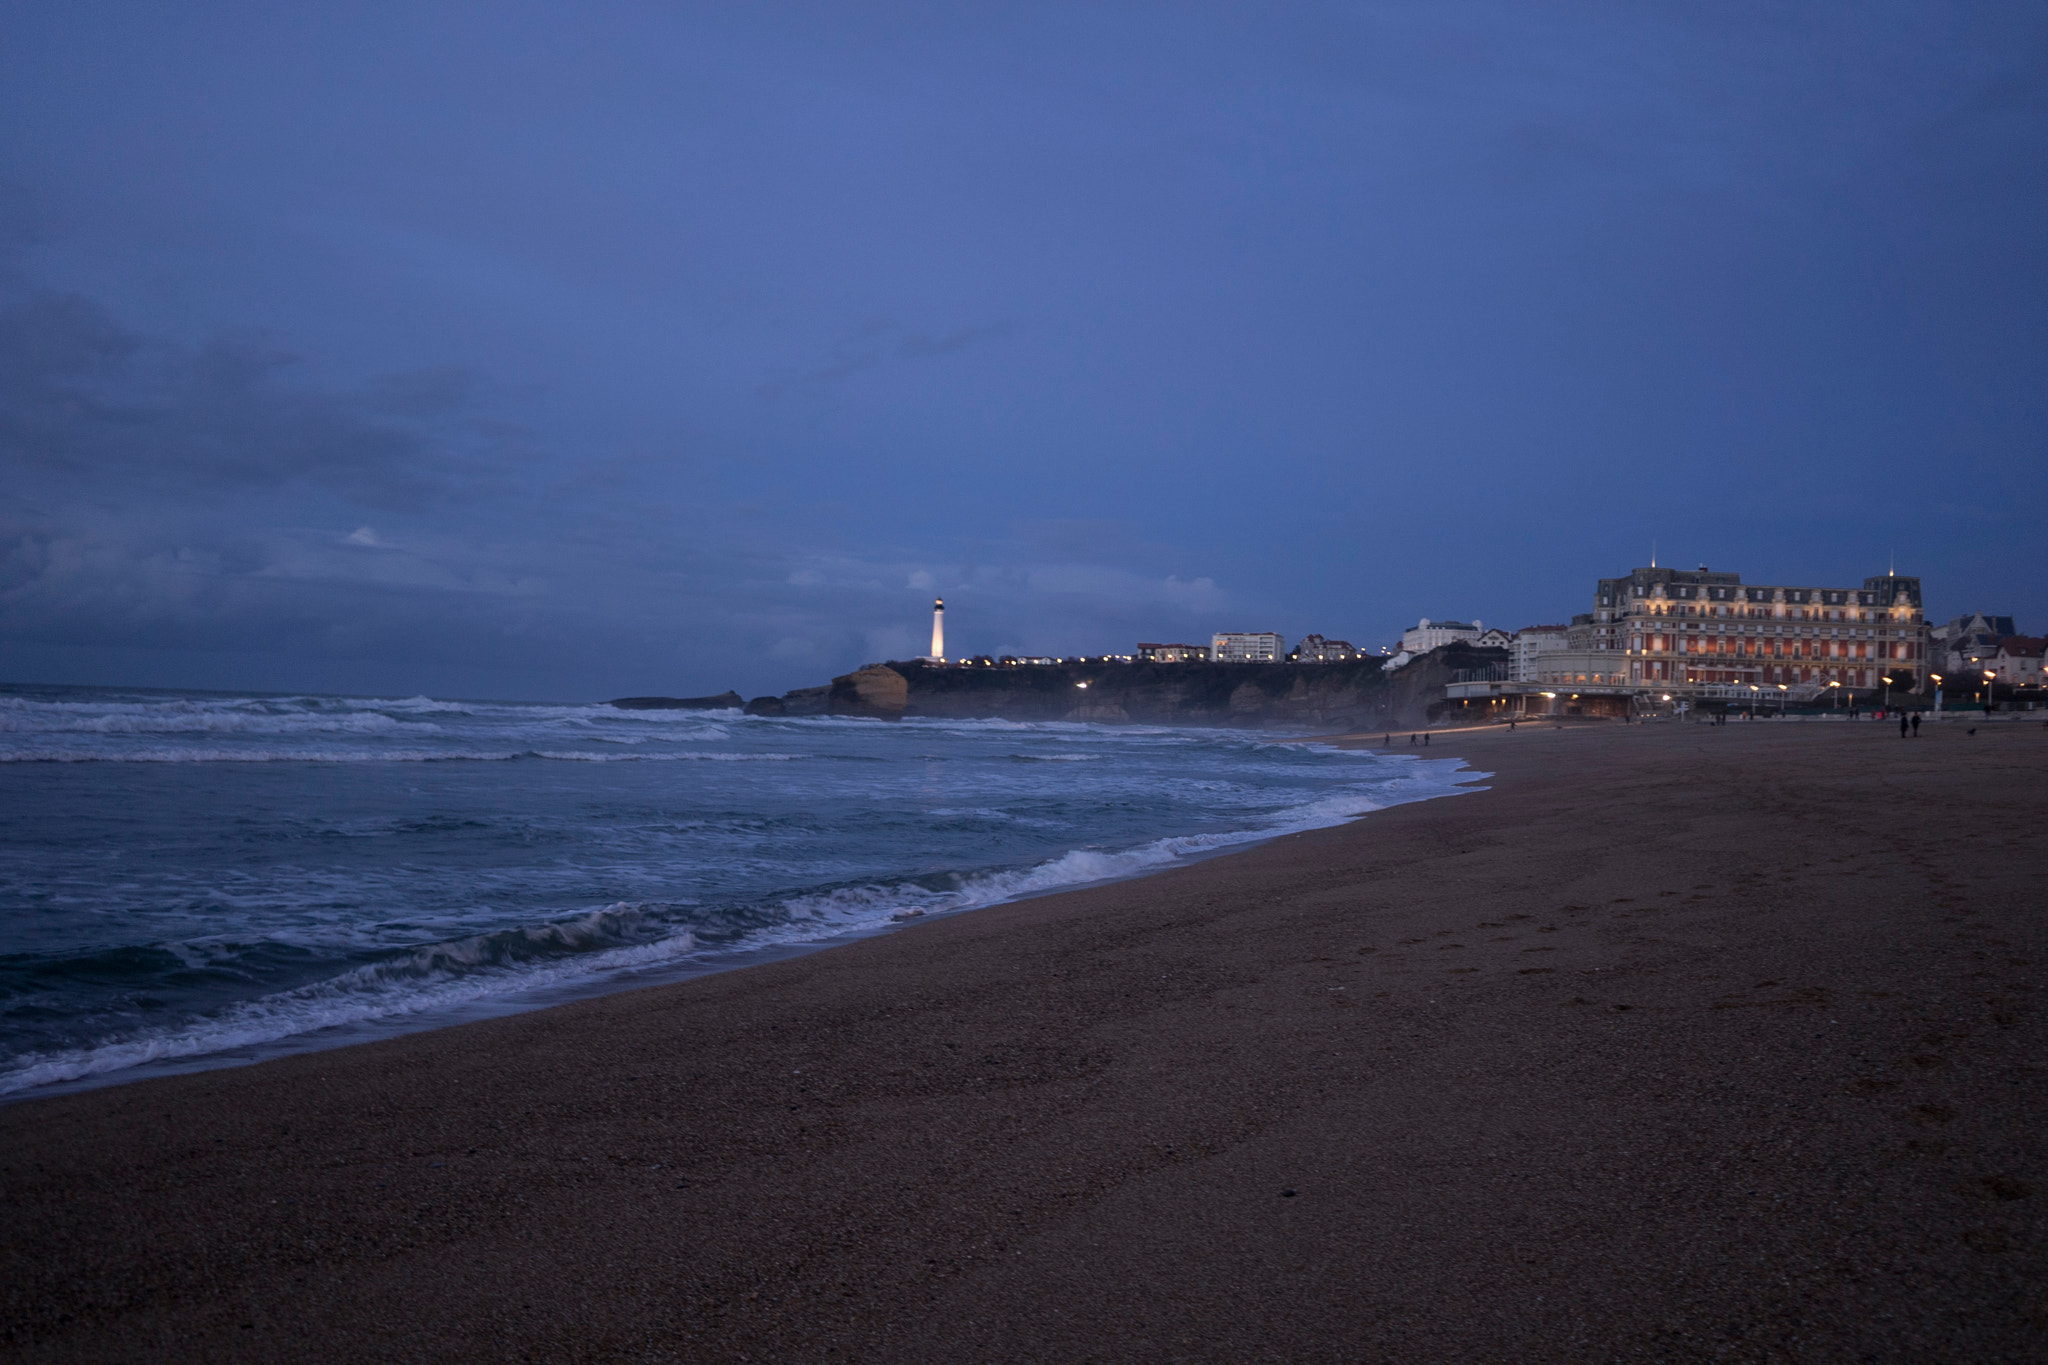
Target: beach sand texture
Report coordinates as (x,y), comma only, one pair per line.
(1676,1043)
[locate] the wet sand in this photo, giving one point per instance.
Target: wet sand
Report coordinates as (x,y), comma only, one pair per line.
(1676,1043)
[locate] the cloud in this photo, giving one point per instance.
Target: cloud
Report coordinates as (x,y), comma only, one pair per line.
(174,500)
(84,398)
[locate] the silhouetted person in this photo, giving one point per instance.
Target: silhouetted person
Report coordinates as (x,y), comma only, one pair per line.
(1425,739)
(1411,741)
(1916,725)
(1902,725)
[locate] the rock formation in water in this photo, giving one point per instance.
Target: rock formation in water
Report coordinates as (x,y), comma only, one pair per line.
(723,701)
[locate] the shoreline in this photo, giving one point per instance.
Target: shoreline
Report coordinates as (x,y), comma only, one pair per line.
(1674,1043)
(697,964)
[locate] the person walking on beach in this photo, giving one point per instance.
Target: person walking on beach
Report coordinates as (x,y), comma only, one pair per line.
(1916,725)
(1902,725)
(1425,741)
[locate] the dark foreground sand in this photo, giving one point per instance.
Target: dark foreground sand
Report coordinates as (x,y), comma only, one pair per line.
(1677,1044)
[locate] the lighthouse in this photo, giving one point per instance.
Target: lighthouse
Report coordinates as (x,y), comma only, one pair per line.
(938,654)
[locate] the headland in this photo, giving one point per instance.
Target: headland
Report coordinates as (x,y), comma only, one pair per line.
(1673,1043)
(1359,693)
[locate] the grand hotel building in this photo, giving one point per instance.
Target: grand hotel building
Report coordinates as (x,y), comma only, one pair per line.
(1705,633)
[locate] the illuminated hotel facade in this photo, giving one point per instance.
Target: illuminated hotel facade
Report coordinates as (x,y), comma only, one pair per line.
(1701,633)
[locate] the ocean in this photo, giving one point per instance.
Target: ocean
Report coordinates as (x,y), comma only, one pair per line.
(193,879)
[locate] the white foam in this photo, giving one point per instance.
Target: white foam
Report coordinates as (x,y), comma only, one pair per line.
(312,755)
(436,977)
(176,721)
(874,906)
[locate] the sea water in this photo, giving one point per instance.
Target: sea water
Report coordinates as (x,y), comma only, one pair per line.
(194,878)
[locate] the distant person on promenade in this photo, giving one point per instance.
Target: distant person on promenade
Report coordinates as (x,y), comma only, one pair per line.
(1916,725)
(1902,725)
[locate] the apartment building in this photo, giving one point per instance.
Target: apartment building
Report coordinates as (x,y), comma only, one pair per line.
(1529,642)
(1173,654)
(1247,647)
(1704,633)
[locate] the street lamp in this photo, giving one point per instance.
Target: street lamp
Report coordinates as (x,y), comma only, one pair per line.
(1887,693)
(1937,694)
(1989,674)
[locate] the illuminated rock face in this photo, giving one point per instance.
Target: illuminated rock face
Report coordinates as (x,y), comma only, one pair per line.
(877,690)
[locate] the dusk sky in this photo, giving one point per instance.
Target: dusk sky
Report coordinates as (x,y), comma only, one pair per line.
(542,351)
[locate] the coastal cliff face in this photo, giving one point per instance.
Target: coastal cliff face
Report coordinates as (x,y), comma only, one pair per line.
(1358,695)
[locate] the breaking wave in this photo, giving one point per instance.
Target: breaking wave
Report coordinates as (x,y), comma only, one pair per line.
(433,977)
(444,977)
(449,858)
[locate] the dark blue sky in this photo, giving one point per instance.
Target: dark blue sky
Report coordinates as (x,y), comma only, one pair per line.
(540,350)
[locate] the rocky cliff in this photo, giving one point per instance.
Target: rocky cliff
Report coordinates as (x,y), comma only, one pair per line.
(1358,695)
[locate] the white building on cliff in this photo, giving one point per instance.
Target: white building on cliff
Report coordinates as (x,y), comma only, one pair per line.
(1426,634)
(1247,647)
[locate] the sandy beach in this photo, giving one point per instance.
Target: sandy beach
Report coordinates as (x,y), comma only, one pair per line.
(1672,1043)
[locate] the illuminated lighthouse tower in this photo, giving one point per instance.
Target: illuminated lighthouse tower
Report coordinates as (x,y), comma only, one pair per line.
(938,654)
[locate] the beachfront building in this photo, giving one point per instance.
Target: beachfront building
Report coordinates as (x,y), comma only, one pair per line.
(1314,649)
(1582,668)
(1526,644)
(1701,633)
(1247,647)
(1173,654)
(1978,630)
(2014,660)
(1967,641)
(1426,635)
(2019,660)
